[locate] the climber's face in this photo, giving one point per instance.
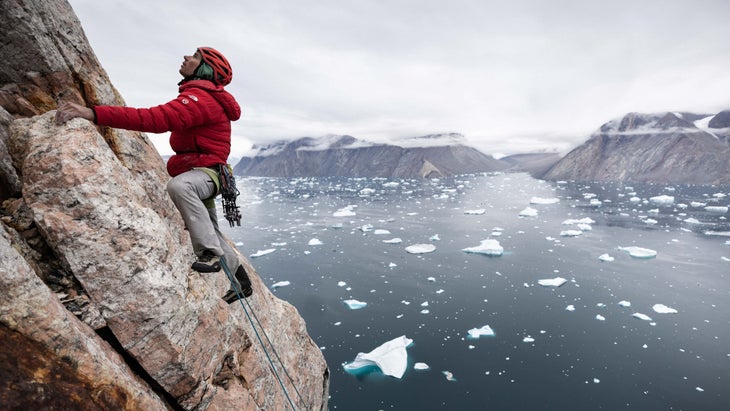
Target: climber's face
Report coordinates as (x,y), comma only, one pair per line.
(190,63)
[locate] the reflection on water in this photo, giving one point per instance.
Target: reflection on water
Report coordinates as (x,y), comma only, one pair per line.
(596,354)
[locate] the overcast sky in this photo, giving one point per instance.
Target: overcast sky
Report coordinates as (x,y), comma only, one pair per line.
(512,76)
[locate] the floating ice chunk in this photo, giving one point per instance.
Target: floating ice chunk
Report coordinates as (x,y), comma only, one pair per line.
(585,220)
(366,227)
(393,241)
(663,309)
(692,220)
(345,212)
(421,248)
(381,232)
(571,307)
(624,303)
(431,279)
(528,212)
(482,331)
(552,282)
(434,237)
(239,243)
(449,375)
(479,211)
(528,339)
(699,389)
(392,265)
(639,252)
(585,227)
(697,204)
(716,209)
(280,284)
(662,200)
(570,233)
(605,257)
(341,284)
(634,199)
(650,221)
(391,184)
(355,304)
(263,252)
(595,202)
(641,316)
(425,311)
(391,358)
(487,247)
(539,200)
(596,381)
(315,241)
(421,366)
(599,317)
(718,233)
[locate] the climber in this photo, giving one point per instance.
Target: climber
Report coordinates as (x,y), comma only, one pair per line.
(199,120)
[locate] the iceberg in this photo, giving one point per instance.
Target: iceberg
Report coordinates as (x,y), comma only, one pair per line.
(391,358)
(624,303)
(280,284)
(571,307)
(552,282)
(315,241)
(605,257)
(345,212)
(539,200)
(487,247)
(263,252)
(449,375)
(528,339)
(393,241)
(641,316)
(486,331)
(662,200)
(716,209)
(422,366)
(570,233)
(381,232)
(585,220)
(528,212)
(639,252)
(663,309)
(421,248)
(354,304)
(479,211)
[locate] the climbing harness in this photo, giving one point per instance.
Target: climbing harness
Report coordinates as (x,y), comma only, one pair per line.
(229,193)
(244,302)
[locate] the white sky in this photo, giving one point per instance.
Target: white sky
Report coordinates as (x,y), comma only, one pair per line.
(512,76)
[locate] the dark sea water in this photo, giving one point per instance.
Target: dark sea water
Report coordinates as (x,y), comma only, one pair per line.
(598,356)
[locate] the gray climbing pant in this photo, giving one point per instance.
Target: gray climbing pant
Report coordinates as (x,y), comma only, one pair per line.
(187,191)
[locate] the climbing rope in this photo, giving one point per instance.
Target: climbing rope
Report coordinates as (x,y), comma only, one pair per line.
(241,300)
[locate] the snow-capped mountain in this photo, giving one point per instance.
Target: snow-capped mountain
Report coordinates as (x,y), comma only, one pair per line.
(662,147)
(429,156)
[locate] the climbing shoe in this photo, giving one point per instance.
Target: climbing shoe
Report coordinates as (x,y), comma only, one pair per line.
(207,263)
(246,290)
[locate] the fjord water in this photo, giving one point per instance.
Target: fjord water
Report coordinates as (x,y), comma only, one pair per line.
(544,355)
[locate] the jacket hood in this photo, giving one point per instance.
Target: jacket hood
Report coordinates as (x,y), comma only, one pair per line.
(224,98)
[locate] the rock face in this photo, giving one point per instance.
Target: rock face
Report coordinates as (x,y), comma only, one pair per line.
(532,163)
(664,148)
(349,157)
(99,308)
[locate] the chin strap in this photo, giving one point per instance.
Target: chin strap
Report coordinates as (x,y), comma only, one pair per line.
(229,193)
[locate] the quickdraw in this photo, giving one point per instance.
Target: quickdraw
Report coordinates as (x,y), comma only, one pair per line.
(229,193)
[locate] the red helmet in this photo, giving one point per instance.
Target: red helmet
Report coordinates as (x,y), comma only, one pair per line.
(222,72)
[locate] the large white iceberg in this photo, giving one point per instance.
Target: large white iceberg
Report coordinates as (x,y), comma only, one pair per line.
(421,248)
(552,282)
(355,304)
(539,200)
(482,331)
(391,358)
(486,247)
(662,200)
(639,252)
(663,309)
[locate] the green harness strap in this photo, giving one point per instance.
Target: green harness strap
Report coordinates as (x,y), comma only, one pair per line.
(213,174)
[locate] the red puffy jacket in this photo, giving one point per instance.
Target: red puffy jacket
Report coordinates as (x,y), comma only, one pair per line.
(199,120)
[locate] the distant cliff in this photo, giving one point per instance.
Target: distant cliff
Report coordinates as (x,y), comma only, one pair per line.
(99,308)
(664,148)
(422,157)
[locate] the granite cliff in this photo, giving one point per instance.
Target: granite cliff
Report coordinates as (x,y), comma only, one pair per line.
(668,147)
(422,157)
(99,308)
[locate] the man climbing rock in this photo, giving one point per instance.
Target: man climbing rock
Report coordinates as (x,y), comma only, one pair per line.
(199,120)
